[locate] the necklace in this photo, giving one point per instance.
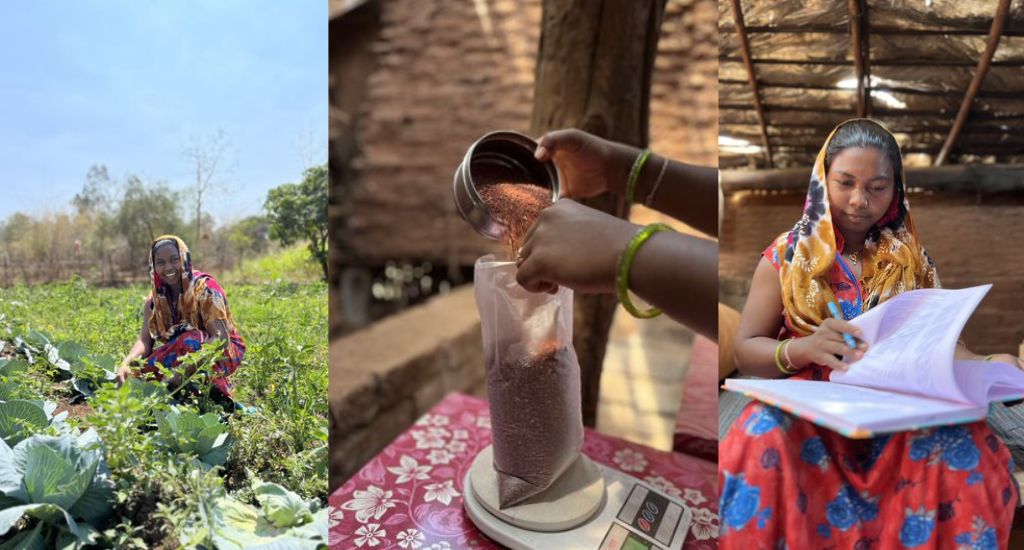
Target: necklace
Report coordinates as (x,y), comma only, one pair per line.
(853,257)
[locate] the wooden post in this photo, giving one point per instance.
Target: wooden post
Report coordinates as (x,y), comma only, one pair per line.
(594,73)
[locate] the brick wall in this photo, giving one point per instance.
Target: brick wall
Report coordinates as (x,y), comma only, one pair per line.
(446,75)
(385,376)
(974,239)
(684,87)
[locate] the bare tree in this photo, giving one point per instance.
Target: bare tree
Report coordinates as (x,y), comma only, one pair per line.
(210,158)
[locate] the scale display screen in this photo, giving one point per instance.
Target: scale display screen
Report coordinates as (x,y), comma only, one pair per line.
(646,521)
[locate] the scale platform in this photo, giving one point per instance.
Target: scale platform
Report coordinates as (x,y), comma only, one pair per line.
(590,507)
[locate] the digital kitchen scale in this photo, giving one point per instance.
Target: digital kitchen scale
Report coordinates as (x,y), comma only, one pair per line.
(590,507)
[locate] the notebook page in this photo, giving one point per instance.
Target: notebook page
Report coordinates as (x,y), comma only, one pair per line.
(911,339)
(986,381)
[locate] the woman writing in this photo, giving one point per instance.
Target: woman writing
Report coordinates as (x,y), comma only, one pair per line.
(787,483)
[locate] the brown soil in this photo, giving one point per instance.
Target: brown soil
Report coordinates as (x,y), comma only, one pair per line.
(78,410)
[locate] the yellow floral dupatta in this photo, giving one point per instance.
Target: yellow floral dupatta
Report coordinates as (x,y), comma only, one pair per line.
(894,260)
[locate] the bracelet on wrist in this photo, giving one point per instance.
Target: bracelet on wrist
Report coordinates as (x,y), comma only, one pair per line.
(785,353)
(634,175)
(649,201)
(778,360)
(626,264)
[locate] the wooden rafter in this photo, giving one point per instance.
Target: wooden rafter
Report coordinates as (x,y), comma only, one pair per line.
(741,33)
(857,16)
(1002,11)
(882,112)
(892,62)
(875,29)
(762,84)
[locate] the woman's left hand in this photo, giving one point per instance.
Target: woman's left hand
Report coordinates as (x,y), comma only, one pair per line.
(575,246)
(1008,359)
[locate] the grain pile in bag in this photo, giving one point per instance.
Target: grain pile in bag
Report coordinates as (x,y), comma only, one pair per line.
(533,381)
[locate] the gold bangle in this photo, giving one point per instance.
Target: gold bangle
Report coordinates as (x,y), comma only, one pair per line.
(626,264)
(778,361)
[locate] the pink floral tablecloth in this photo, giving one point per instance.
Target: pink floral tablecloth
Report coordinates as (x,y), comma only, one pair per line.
(410,495)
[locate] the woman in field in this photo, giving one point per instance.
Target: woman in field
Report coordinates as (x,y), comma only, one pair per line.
(186,309)
(787,483)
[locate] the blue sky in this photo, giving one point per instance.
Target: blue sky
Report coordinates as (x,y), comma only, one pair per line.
(128,84)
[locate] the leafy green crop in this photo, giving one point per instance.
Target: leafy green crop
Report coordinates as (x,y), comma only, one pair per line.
(20,418)
(203,437)
(10,369)
(283,521)
(62,482)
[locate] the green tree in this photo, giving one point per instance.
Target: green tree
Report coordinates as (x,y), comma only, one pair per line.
(250,234)
(145,212)
(95,205)
(298,211)
(95,194)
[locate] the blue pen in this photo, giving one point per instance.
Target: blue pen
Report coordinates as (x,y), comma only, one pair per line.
(834,310)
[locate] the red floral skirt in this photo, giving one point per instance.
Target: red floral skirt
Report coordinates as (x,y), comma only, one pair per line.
(169,355)
(788,483)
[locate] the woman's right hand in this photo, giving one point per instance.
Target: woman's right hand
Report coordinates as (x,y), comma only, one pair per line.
(585,162)
(122,374)
(822,347)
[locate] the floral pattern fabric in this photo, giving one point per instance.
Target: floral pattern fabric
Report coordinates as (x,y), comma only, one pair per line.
(410,495)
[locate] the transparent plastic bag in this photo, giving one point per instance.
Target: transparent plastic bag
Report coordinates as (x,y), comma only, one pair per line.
(533,381)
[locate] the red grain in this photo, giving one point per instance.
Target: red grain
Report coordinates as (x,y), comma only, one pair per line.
(516,206)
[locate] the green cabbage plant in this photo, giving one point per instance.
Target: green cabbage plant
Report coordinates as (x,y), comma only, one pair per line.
(203,437)
(20,418)
(62,483)
(283,521)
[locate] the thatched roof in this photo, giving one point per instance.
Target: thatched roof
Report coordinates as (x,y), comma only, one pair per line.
(946,76)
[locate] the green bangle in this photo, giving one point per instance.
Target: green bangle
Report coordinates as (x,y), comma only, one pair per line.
(626,264)
(989,357)
(634,174)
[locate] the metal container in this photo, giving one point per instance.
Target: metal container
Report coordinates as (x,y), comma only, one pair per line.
(502,156)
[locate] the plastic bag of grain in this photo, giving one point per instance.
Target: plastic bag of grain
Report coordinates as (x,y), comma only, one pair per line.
(533,380)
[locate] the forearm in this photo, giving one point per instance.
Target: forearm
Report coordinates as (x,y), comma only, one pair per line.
(679,274)
(139,349)
(756,357)
(687,192)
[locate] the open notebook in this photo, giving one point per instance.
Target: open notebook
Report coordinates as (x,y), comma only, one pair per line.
(908,378)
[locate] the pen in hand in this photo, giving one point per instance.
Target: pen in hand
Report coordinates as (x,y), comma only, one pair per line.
(834,310)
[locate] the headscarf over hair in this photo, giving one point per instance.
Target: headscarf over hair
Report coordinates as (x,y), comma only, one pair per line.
(201,300)
(893,261)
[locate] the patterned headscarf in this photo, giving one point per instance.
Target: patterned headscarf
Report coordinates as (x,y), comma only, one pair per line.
(201,299)
(893,259)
